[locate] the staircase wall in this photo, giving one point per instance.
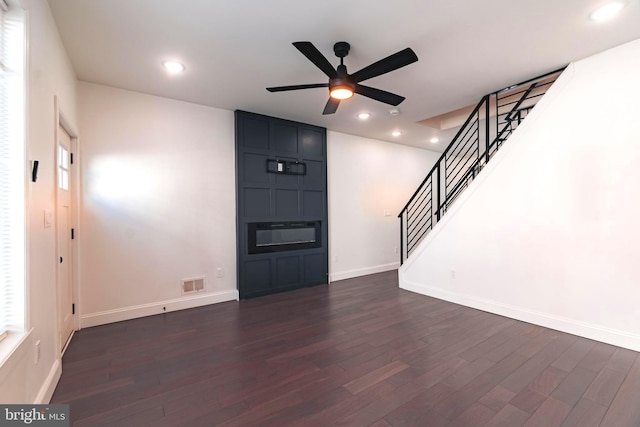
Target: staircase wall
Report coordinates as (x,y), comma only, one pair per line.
(549,232)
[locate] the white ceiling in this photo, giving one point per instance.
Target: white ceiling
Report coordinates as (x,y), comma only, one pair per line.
(233,50)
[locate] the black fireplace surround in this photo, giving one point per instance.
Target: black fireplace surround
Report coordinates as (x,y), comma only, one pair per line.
(282,221)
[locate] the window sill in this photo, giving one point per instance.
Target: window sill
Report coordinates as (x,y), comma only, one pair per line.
(12,350)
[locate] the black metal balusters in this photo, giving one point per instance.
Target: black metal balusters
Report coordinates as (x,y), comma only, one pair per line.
(465,156)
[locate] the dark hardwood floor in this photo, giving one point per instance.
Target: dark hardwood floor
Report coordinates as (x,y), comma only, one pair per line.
(361,352)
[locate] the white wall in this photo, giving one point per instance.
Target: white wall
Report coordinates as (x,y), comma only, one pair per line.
(549,231)
(49,73)
(158,203)
(367,177)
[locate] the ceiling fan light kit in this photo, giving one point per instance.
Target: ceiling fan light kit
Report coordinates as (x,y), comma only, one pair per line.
(341,91)
(343,85)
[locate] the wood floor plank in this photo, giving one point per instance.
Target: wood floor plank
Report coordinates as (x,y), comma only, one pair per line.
(585,414)
(574,385)
(528,400)
(547,380)
(509,416)
(374,377)
(484,347)
(465,375)
(597,357)
(476,415)
(506,348)
(380,423)
(361,352)
(605,386)
(497,398)
(625,410)
(464,398)
(551,413)
(379,409)
(621,360)
(573,355)
(330,415)
(414,411)
(547,352)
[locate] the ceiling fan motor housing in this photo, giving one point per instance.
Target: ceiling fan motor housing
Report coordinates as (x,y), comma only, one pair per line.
(342,81)
(341,49)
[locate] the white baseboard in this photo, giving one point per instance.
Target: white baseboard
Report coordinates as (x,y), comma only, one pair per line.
(134,312)
(342,275)
(570,326)
(49,386)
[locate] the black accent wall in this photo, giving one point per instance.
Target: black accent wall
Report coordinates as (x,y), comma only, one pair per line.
(292,193)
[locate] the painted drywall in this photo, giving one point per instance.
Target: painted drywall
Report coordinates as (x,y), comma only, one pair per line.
(367,178)
(548,233)
(22,380)
(158,203)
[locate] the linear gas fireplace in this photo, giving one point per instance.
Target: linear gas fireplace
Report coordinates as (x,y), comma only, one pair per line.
(266,237)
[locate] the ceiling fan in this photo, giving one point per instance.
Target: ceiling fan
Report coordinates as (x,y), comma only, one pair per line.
(343,85)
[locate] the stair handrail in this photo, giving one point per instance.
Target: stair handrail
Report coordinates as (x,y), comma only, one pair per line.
(445,152)
(458,182)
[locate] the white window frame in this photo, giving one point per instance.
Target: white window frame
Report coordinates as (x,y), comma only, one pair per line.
(14,189)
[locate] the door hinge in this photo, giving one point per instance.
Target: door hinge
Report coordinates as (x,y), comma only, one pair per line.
(73,234)
(73,309)
(71,158)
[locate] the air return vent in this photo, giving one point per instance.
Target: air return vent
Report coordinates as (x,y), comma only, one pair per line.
(196,284)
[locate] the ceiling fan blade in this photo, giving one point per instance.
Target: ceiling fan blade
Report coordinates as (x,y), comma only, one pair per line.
(296,87)
(390,63)
(332,106)
(379,95)
(318,59)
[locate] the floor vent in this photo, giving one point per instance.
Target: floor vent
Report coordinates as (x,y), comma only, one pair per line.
(190,286)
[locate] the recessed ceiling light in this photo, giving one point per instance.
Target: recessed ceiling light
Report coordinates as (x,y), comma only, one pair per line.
(434,140)
(396,133)
(364,116)
(607,11)
(173,67)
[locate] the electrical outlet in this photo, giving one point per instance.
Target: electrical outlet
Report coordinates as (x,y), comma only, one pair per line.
(395,250)
(36,353)
(219,272)
(335,258)
(453,274)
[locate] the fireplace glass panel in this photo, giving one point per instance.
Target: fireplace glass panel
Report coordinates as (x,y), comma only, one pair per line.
(283,236)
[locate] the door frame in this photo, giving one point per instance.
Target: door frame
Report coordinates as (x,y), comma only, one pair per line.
(62,120)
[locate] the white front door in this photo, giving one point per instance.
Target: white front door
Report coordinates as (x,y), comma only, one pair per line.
(65,276)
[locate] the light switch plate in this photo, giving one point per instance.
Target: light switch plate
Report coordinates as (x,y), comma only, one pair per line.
(48,218)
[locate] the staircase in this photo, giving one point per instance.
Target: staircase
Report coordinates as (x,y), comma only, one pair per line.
(487,128)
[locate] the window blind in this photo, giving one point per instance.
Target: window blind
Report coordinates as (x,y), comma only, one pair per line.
(12,170)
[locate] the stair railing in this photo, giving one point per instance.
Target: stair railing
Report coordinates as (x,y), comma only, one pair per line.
(470,150)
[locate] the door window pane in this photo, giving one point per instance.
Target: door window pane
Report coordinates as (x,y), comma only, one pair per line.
(63,167)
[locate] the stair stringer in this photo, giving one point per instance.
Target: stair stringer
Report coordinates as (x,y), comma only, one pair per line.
(540,235)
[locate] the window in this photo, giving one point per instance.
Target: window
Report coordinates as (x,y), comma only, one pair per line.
(12,170)
(63,167)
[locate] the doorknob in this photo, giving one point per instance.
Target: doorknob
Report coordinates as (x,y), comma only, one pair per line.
(60,260)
